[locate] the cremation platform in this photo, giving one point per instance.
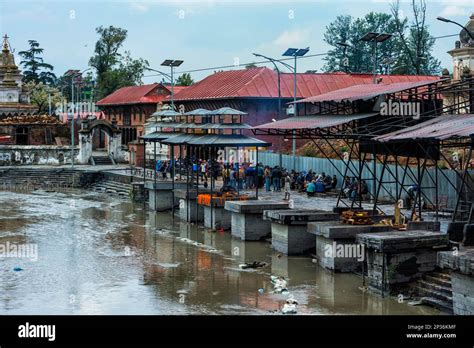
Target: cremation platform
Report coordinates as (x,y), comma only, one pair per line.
(290,229)
(336,246)
(189,210)
(247,217)
(160,195)
(397,258)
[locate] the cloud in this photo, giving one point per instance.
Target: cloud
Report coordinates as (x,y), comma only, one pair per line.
(293,38)
(461,8)
(140,6)
(456,11)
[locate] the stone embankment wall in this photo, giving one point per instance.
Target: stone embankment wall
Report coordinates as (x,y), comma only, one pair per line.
(35,154)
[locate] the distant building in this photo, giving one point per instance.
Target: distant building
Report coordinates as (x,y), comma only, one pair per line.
(14,101)
(255,91)
(131,106)
(463,53)
(463,68)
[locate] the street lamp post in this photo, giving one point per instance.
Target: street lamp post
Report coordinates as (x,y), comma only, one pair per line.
(345,62)
(274,61)
(295,52)
(172,64)
(73,74)
(446,20)
(375,38)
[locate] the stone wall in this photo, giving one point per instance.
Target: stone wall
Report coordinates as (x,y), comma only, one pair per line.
(35,154)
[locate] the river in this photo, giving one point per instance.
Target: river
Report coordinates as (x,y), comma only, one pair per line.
(100,255)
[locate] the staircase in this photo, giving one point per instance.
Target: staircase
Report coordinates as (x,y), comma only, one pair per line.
(30,179)
(112,187)
(101,160)
(434,290)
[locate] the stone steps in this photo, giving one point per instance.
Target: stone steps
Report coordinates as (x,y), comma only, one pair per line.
(39,177)
(438,280)
(112,187)
(443,275)
(101,160)
(428,286)
(438,304)
(435,290)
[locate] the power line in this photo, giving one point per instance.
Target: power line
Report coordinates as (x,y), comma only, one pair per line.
(441,37)
(242,64)
(266,61)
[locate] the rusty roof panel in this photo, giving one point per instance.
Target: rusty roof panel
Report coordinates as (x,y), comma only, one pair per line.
(313,122)
(366,91)
(441,128)
(263,83)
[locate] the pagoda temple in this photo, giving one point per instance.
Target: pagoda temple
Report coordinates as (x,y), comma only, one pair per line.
(14,100)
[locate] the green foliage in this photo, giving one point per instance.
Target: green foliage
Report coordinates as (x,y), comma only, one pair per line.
(34,68)
(115,70)
(184,80)
(39,93)
(407,52)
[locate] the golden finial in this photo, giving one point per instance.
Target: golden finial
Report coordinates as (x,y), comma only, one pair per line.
(6,45)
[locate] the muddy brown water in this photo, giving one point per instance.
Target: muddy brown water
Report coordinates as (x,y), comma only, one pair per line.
(100,255)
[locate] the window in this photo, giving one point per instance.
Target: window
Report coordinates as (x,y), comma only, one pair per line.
(126,116)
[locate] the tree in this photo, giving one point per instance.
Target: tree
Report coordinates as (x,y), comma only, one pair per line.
(113,69)
(40,94)
(35,69)
(184,80)
(251,66)
(415,42)
(357,54)
(407,52)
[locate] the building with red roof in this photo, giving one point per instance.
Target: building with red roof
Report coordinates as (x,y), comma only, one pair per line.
(255,91)
(131,106)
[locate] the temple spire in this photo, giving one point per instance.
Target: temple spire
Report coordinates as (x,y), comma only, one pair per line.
(6,44)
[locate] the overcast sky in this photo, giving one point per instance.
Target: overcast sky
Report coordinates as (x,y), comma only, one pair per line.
(203,33)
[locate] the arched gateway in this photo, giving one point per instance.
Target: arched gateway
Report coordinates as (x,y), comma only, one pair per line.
(112,141)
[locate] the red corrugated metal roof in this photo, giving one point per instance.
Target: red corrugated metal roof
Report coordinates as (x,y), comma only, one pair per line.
(313,122)
(441,128)
(144,94)
(263,83)
(367,91)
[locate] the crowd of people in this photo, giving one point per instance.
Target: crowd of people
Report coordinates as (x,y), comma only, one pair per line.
(353,189)
(246,176)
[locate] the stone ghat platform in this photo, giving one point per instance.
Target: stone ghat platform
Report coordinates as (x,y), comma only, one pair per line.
(289,229)
(334,240)
(189,209)
(215,215)
(160,195)
(397,258)
(247,217)
(461,265)
(298,217)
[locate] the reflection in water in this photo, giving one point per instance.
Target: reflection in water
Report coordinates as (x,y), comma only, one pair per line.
(102,256)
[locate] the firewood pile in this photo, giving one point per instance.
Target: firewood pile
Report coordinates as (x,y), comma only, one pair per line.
(351,217)
(33,119)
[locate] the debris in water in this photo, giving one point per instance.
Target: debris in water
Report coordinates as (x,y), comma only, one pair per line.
(279,284)
(169,265)
(260,291)
(314,260)
(290,306)
(255,264)
(415,303)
